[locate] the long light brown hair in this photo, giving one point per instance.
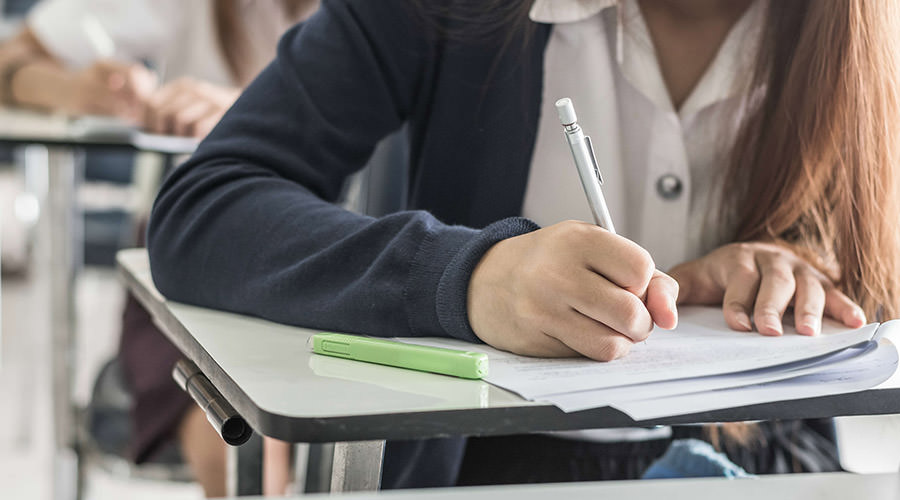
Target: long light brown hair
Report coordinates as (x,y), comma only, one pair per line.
(815,164)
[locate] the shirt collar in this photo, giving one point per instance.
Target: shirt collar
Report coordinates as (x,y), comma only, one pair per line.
(566,11)
(637,59)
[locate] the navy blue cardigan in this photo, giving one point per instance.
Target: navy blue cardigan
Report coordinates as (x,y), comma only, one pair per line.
(248,224)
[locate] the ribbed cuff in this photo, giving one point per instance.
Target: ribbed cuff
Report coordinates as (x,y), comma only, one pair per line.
(452,290)
(437,249)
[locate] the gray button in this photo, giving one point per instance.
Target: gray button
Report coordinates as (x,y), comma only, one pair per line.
(669,187)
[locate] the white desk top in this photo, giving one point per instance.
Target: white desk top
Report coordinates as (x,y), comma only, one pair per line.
(23,126)
(19,123)
(273,366)
(832,486)
(341,387)
(267,373)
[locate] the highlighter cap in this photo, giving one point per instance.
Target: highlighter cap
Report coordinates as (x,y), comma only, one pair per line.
(566,111)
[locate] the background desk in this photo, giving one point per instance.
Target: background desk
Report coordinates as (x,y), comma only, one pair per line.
(267,373)
(60,150)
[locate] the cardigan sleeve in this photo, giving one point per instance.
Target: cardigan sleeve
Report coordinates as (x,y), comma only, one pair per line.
(248,224)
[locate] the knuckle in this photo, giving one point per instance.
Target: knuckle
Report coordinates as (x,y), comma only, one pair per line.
(779,277)
(744,271)
(770,257)
(641,336)
(633,317)
(808,279)
(574,231)
(645,265)
(810,273)
(742,249)
(735,305)
(640,265)
(804,272)
(808,309)
(766,310)
(613,348)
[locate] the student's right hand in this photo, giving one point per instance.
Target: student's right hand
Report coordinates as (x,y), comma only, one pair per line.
(568,289)
(188,107)
(109,88)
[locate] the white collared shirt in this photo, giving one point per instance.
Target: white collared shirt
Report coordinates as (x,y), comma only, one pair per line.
(604,59)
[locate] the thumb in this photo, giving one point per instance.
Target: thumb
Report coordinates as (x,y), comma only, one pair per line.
(662,294)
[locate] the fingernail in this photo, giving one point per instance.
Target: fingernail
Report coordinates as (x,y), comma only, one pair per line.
(859,316)
(811,321)
(771,323)
(744,321)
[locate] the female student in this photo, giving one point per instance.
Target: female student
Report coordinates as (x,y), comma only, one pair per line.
(85,57)
(745,145)
(203,53)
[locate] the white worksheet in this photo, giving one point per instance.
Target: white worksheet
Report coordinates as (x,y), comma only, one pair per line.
(851,375)
(702,345)
(582,400)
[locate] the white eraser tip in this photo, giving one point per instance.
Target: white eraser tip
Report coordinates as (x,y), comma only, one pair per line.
(566,111)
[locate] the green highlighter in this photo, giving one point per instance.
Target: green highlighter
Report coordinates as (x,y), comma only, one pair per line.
(464,364)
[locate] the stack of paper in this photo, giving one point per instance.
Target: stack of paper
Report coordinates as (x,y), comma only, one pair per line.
(702,365)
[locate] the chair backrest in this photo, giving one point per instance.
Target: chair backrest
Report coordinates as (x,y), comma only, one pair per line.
(381,187)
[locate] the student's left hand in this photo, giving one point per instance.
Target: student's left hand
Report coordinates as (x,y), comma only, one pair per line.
(188,107)
(762,280)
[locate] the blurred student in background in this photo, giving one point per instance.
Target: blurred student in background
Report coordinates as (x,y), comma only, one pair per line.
(88,57)
(171,67)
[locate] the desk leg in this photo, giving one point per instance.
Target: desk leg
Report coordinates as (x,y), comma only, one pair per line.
(245,468)
(319,461)
(62,231)
(357,466)
(299,467)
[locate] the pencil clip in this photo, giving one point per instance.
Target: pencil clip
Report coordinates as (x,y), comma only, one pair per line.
(590,146)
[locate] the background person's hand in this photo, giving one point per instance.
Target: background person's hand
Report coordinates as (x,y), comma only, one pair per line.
(188,107)
(761,280)
(568,289)
(110,88)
